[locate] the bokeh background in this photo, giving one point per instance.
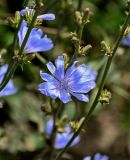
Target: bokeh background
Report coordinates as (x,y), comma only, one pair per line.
(21,118)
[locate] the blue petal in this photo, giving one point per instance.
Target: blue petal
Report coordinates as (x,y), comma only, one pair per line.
(35,44)
(75,71)
(27,10)
(64,96)
(59,73)
(70,70)
(79,72)
(3,69)
(36,33)
(63,138)
(9,89)
(47,16)
(47,86)
(81,97)
(51,93)
(51,67)
(22,32)
(81,87)
(47,77)
(126,41)
(98,156)
(49,89)
(80,79)
(49,127)
(87,158)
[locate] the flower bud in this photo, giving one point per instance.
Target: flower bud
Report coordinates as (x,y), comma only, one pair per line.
(86,15)
(78,17)
(105,97)
(14,21)
(74,38)
(127,31)
(84,50)
(46,109)
(106,48)
(75,125)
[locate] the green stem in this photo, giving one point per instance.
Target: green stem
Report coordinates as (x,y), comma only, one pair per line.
(53,136)
(42,59)
(77,46)
(107,67)
(9,74)
(25,3)
(51,5)
(28,32)
(79,5)
(13,64)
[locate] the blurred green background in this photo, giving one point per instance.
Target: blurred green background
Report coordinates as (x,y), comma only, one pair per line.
(21,119)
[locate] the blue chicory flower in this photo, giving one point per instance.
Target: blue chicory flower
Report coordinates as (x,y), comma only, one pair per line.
(9,88)
(126,41)
(97,156)
(76,81)
(29,11)
(61,138)
(36,41)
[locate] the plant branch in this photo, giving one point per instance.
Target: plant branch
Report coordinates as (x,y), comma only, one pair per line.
(14,63)
(107,67)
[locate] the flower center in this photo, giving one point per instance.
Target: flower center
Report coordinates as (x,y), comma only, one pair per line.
(64,85)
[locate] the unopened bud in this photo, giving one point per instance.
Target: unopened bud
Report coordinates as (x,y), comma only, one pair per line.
(86,15)
(105,97)
(106,48)
(127,31)
(14,21)
(74,38)
(46,109)
(128,3)
(61,122)
(75,125)
(84,50)
(1,105)
(78,17)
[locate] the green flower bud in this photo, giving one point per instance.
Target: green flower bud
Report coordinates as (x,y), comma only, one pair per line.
(46,109)
(106,49)
(127,31)
(78,17)
(84,50)
(14,21)
(75,125)
(105,97)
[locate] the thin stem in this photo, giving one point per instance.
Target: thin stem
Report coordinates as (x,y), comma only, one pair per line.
(15,36)
(42,59)
(13,64)
(29,31)
(11,55)
(53,136)
(77,46)
(79,5)
(56,114)
(107,67)
(51,5)
(25,3)
(9,74)
(79,31)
